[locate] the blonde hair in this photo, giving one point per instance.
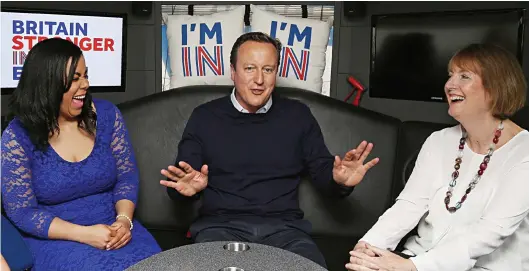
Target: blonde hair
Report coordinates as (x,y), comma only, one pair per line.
(501,73)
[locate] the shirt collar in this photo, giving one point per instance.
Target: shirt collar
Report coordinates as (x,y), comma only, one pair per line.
(241,109)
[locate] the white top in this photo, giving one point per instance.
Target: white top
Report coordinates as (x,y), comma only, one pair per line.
(489,232)
(241,109)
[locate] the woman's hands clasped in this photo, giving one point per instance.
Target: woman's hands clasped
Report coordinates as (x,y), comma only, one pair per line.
(123,234)
(365,257)
(107,237)
(98,235)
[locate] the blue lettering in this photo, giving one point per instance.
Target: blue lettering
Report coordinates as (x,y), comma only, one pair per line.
(17,71)
(273,29)
(61,29)
(184,34)
(306,34)
(215,31)
(81,28)
(18,27)
(50,27)
(31,26)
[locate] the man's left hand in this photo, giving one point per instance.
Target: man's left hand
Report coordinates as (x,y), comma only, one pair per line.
(123,234)
(385,260)
(351,170)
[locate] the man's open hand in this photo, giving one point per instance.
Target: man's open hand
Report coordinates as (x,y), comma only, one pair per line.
(351,170)
(188,181)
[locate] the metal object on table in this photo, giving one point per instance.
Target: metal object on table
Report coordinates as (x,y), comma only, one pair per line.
(231,269)
(236,246)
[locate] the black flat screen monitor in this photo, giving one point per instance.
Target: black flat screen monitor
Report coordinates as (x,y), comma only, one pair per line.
(410,52)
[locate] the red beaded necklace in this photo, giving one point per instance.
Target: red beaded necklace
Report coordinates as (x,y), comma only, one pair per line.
(478,175)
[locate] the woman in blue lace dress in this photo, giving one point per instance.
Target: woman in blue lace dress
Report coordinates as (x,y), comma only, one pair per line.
(69,176)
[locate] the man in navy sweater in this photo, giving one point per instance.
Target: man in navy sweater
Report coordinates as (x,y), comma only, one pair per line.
(244,154)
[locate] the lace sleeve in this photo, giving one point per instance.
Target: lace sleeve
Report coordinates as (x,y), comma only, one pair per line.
(128,179)
(19,201)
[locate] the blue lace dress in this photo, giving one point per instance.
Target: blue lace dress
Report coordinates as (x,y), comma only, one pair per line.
(38,186)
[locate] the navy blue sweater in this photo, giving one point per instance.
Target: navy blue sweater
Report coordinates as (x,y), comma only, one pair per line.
(256,160)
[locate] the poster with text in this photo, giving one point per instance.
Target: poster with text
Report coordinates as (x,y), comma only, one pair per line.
(100,39)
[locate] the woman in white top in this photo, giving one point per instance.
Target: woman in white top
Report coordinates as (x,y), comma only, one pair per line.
(469,190)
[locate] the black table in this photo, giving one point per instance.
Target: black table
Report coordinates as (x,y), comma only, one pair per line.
(226,256)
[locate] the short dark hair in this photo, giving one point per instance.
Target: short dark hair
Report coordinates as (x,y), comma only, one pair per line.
(37,99)
(502,75)
(257,37)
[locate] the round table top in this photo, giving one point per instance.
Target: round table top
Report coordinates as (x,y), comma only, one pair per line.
(213,256)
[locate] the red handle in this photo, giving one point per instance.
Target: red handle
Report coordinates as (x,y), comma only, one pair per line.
(349,95)
(356,101)
(355,83)
(356,86)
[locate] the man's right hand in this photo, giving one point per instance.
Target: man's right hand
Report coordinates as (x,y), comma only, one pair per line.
(188,181)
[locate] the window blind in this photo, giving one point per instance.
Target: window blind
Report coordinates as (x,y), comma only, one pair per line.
(315,12)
